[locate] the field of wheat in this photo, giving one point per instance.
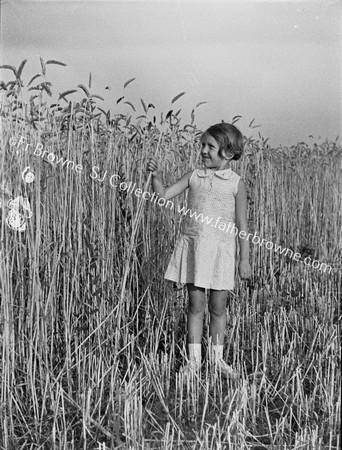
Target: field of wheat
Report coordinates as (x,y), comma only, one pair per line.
(92,337)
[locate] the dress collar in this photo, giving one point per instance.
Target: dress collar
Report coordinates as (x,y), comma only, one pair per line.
(224,174)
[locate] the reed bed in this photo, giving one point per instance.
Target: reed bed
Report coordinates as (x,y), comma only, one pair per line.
(92,337)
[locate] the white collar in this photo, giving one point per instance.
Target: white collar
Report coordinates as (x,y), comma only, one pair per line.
(224,174)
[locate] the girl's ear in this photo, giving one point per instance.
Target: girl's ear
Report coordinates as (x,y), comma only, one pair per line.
(228,155)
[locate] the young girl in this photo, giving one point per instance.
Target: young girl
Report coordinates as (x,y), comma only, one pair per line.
(204,255)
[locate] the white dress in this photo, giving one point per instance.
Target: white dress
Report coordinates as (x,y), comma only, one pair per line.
(204,254)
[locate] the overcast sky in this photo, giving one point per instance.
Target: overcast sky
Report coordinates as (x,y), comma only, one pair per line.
(278,62)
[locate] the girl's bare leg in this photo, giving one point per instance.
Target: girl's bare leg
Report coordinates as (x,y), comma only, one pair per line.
(217,308)
(195,313)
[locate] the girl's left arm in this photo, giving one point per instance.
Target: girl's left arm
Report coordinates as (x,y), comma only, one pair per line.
(241,223)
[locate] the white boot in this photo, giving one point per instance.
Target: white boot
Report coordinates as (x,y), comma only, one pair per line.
(195,359)
(219,364)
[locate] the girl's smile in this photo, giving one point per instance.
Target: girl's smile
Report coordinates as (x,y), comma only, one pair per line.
(210,154)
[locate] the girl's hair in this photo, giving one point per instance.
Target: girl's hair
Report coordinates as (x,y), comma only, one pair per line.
(228,137)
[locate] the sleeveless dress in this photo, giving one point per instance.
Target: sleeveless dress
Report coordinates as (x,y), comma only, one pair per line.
(204,254)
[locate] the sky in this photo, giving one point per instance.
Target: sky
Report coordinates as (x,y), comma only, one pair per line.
(276,62)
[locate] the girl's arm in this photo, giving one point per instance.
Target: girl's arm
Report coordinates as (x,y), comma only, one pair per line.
(172,190)
(157,183)
(241,223)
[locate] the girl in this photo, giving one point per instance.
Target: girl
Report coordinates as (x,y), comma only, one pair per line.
(204,255)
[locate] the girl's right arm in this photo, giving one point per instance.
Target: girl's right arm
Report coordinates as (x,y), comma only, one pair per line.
(157,184)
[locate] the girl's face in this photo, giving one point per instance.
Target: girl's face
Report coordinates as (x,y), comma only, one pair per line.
(210,154)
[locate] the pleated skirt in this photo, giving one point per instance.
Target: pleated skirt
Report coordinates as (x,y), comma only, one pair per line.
(203,261)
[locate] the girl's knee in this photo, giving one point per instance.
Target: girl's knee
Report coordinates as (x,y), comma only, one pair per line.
(218,307)
(217,310)
(196,299)
(196,305)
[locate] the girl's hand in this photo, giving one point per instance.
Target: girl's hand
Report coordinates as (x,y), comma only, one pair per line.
(152,166)
(244,268)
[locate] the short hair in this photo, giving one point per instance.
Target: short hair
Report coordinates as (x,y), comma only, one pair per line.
(228,137)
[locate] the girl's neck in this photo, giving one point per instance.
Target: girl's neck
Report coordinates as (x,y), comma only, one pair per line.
(225,167)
